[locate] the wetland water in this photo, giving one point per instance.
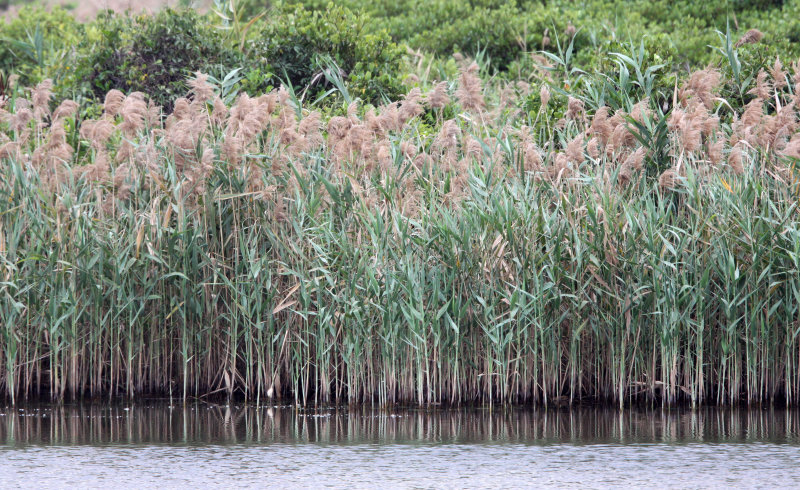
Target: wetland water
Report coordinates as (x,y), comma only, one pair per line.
(155,444)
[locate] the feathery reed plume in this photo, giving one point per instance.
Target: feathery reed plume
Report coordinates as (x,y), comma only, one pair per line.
(67,108)
(635,160)
(532,158)
(448,135)
(762,90)
(390,118)
(622,137)
(202,90)
(12,81)
(472,148)
(310,128)
(574,151)
(544,96)
(753,114)
(750,37)
(469,92)
(575,109)
(133,111)
(219,113)
(408,149)
(97,133)
(153,114)
(197,175)
(446,142)
(601,126)
(701,84)
(776,129)
(560,168)
(338,128)
(437,98)
(383,154)
(411,80)
(669,180)
(51,158)
(113,101)
(778,75)
(375,124)
(796,81)
(181,109)
(624,175)
(41,96)
(233,149)
(689,133)
(641,110)
(735,160)
(9,149)
(570,31)
(134,114)
(352,112)
(18,122)
(593,148)
(715,156)
(249,117)
(688,126)
(410,107)
(792,149)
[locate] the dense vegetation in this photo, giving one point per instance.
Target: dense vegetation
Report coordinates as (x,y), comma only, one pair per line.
(333,208)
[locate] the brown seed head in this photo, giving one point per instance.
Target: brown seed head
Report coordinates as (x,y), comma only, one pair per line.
(113,102)
(574,108)
(778,75)
(750,37)
(469,92)
(574,151)
(41,99)
(438,98)
(669,180)
(67,108)
(544,95)
(202,90)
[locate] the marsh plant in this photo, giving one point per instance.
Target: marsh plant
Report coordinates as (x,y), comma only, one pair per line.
(449,247)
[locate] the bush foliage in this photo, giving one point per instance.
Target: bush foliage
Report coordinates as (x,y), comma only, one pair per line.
(294,44)
(154,55)
(368,41)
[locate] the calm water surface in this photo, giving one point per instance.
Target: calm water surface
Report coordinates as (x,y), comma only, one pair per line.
(155,444)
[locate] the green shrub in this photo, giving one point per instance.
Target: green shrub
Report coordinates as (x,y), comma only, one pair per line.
(448,27)
(37,44)
(155,54)
(293,42)
(506,30)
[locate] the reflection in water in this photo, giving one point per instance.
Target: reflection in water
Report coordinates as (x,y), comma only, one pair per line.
(215,424)
(210,445)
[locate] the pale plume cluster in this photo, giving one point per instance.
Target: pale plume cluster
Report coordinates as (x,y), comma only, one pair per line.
(269,141)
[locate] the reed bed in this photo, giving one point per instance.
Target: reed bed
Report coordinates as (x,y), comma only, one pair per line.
(447,248)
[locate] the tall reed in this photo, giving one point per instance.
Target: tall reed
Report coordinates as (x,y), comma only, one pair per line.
(260,250)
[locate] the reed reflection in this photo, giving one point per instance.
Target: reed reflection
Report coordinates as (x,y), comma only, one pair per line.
(201,424)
